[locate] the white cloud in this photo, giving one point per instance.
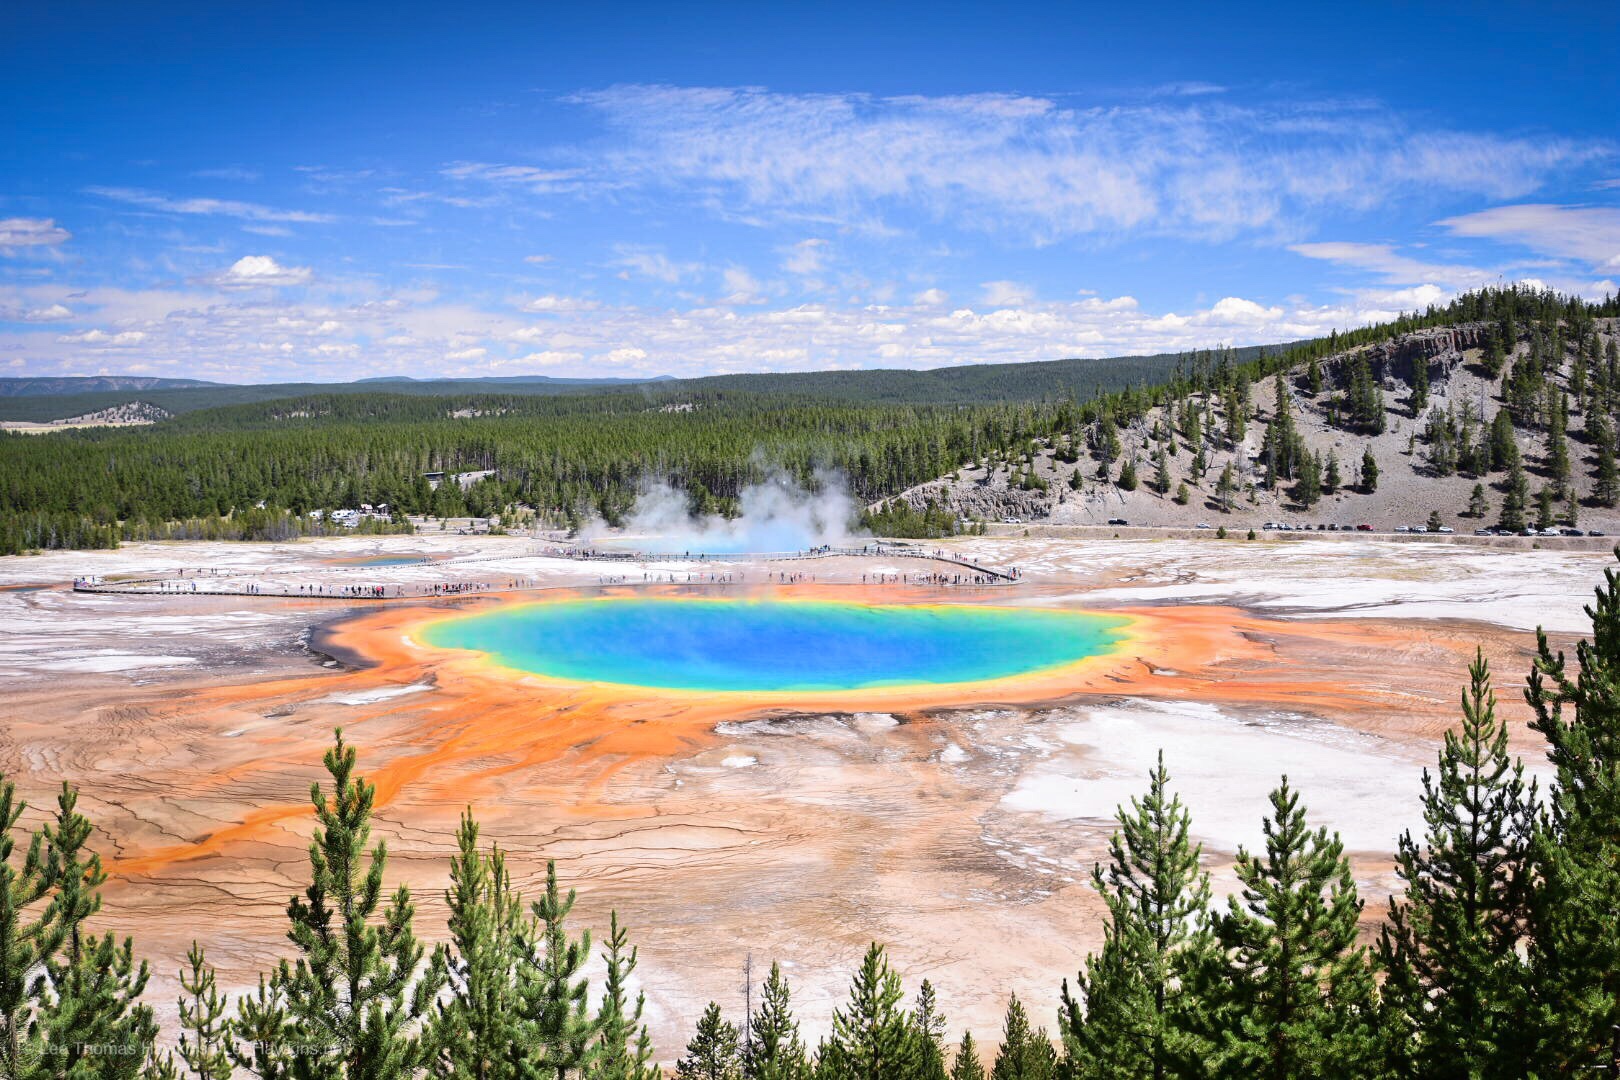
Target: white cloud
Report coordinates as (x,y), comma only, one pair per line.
(49,313)
(1006,293)
(741,287)
(1235,310)
(259,271)
(551,304)
(652,264)
(150,200)
(806,258)
(21,232)
(537,260)
(107,338)
(1589,234)
(254,335)
(1395,268)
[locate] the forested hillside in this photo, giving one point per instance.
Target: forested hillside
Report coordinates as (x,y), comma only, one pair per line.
(1498,411)
(1497,388)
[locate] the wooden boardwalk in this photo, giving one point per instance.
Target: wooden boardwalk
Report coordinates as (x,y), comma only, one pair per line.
(206,581)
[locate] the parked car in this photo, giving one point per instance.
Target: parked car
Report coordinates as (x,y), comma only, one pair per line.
(1445,529)
(1420,528)
(1595,532)
(1202,525)
(1403,528)
(1570,532)
(1363,528)
(1118,521)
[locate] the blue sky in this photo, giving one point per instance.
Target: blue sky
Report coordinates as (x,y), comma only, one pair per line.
(265,192)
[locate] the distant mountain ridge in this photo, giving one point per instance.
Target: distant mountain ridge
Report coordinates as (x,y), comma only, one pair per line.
(961,383)
(507,380)
(42,386)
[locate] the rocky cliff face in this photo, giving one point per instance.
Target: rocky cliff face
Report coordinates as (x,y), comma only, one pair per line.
(980,500)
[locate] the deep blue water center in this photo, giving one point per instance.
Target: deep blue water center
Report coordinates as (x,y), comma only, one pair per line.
(741,645)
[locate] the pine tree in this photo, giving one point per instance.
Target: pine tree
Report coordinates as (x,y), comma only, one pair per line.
(1294,998)
(1161,471)
(1477,506)
(1127,475)
(617,1021)
(477,1031)
(263,1034)
(558,1026)
(92,1019)
(1455,993)
(96,1020)
(1504,440)
(930,1028)
(712,1054)
(1281,444)
(1557,442)
(1606,490)
(1025,1054)
(358,987)
(26,944)
(776,1051)
(1308,490)
(1544,508)
(1224,487)
(1331,477)
(1133,1024)
(1514,500)
(1420,385)
(205,1027)
(1369,472)
(1494,357)
(1577,951)
(967,1065)
(872,1036)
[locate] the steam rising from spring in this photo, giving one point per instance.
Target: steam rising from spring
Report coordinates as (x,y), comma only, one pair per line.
(776,515)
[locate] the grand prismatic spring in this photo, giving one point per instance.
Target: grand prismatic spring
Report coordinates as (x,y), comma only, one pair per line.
(791,770)
(732,645)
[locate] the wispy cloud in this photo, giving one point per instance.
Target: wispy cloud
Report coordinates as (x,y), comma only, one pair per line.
(21,232)
(646,263)
(1185,164)
(806,258)
(532,177)
(1588,234)
(150,200)
(229,172)
(1393,267)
